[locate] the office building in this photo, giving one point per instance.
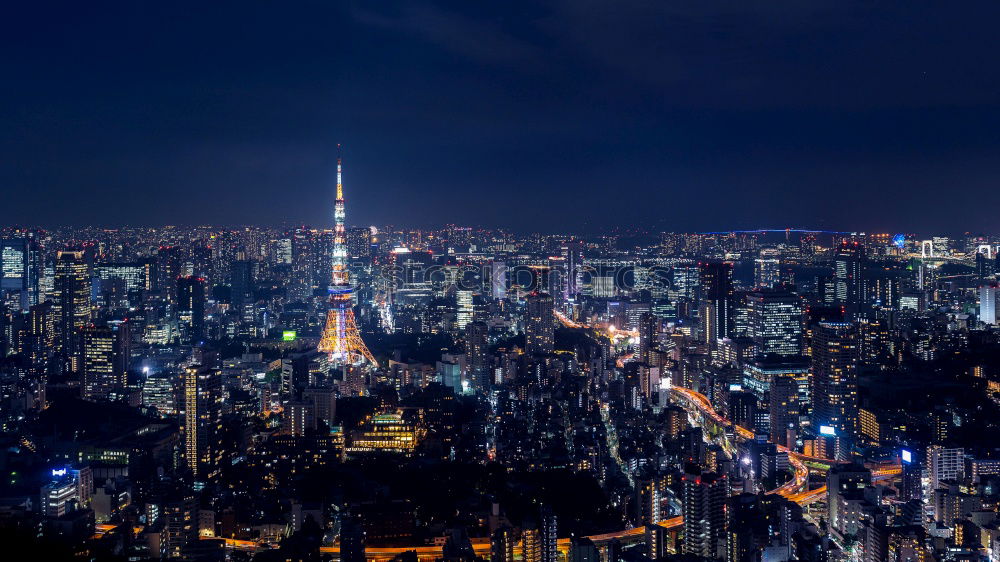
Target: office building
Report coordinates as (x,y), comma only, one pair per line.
(191,309)
(539,324)
(785,408)
(385,433)
(159,391)
(19,271)
(776,324)
(717,301)
(848,276)
(835,377)
(72,288)
(105,360)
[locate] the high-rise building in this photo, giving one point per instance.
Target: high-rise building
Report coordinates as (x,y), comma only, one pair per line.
(41,336)
(359,243)
(572,254)
(298,418)
(704,506)
(58,498)
(686,280)
(985,267)
(582,549)
(718,303)
(18,271)
(648,500)
(907,544)
(502,544)
(539,324)
(989,303)
(105,358)
(660,541)
(744,520)
(133,274)
(775,323)
(767,272)
(324,404)
(477,354)
(191,309)
(169,267)
(844,483)
(72,288)
(912,476)
(648,331)
(202,420)
(785,409)
(835,377)
(160,391)
(944,464)
(241,283)
(463,299)
(531,544)
(848,273)
(549,535)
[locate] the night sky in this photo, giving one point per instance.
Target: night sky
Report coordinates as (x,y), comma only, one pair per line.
(545,116)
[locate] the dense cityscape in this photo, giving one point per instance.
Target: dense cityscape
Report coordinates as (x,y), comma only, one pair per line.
(522,281)
(376,392)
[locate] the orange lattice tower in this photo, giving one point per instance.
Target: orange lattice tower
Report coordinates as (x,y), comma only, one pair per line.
(340,336)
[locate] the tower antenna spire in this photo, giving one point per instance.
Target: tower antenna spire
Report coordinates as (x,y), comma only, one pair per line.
(340,182)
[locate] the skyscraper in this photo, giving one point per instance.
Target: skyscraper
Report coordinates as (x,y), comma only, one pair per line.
(835,376)
(202,421)
(105,355)
(767,272)
(717,301)
(704,506)
(648,329)
(463,301)
(41,336)
(572,254)
(989,303)
(191,309)
(539,324)
(359,243)
(848,275)
(241,281)
(785,408)
(477,354)
(17,272)
(775,323)
(169,263)
(72,299)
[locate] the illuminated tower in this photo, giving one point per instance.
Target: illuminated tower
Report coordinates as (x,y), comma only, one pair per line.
(340,337)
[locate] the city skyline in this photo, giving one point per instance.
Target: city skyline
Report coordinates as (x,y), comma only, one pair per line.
(585,282)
